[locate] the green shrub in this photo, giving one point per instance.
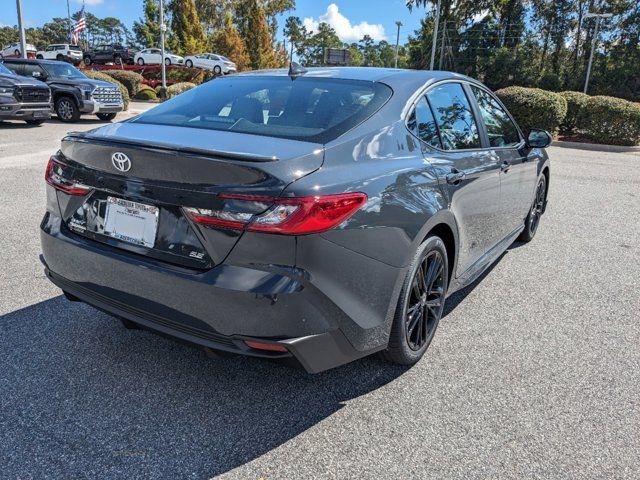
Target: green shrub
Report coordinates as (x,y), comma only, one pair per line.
(611,121)
(182,75)
(534,108)
(131,80)
(178,88)
(101,76)
(575,102)
(146,93)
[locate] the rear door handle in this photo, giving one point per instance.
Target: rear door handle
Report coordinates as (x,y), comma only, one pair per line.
(455,177)
(504,166)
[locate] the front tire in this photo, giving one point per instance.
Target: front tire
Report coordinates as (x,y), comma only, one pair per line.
(67,110)
(167,61)
(535,213)
(217,70)
(420,305)
(87,61)
(141,61)
(107,117)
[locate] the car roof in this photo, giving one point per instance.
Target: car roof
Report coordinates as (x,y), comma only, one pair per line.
(391,76)
(30,60)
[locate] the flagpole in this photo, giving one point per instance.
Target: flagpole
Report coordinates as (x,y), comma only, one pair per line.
(162,64)
(69,20)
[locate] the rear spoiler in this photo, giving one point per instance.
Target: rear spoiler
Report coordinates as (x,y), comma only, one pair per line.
(82,137)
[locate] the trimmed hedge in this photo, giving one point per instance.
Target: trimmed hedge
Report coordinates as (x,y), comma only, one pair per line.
(534,108)
(131,80)
(178,88)
(610,120)
(146,93)
(575,103)
(101,76)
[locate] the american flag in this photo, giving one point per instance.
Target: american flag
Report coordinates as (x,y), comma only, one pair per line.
(80,26)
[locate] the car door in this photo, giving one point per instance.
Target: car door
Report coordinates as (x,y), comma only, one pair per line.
(518,170)
(154,56)
(469,172)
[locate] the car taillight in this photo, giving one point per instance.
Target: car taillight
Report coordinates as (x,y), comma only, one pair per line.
(54,175)
(285,216)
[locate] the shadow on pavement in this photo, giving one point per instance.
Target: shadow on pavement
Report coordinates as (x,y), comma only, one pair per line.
(84,397)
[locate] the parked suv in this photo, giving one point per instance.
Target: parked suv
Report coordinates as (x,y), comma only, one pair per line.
(109,53)
(61,51)
(73,92)
(23,98)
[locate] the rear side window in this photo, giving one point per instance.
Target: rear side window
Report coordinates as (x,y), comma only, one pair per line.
(501,130)
(454,117)
(423,125)
(309,109)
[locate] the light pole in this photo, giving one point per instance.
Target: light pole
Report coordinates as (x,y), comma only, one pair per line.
(594,43)
(163,28)
(435,36)
(69,21)
(399,24)
(23,42)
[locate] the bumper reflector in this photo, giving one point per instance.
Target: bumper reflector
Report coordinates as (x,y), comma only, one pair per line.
(271,347)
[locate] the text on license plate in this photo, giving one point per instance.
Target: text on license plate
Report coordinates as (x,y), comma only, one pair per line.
(131,222)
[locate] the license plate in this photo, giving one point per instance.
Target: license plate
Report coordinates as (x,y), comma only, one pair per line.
(39,114)
(131,222)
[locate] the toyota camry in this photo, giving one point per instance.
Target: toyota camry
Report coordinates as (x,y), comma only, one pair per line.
(313,216)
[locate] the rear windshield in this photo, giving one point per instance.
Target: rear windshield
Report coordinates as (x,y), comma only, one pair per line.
(309,109)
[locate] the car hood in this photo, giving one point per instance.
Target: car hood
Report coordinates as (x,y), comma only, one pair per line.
(16,81)
(77,82)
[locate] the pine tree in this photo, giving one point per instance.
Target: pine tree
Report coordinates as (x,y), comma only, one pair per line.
(147,30)
(227,42)
(258,39)
(186,27)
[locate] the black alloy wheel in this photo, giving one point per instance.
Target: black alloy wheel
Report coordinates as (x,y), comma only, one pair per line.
(421,304)
(537,209)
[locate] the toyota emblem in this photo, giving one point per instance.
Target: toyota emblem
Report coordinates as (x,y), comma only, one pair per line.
(121,162)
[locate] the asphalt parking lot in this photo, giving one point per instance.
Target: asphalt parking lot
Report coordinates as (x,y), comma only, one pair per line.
(533,373)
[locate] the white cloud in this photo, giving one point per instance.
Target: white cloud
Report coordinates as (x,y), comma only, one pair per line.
(343,27)
(90,3)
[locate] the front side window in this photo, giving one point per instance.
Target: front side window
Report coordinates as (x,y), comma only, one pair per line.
(61,69)
(309,109)
(501,130)
(454,117)
(33,70)
(423,125)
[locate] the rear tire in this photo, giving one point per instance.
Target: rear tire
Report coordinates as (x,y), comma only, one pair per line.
(535,213)
(59,57)
(87,61)
(420,305)
(141,61)
(188,64)
(117,60)
(17,52)
(107,117)
(39,57)
(67,110)
(167,62)
(217,70)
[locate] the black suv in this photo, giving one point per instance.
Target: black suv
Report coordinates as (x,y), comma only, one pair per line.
(109,53)
(73,92)
(23,98)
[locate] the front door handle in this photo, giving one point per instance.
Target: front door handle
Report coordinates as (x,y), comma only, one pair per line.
(455,177)
(504,166)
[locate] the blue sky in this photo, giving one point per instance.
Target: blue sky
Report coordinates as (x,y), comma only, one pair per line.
(350,18)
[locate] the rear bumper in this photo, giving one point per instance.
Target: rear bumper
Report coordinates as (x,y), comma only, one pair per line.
(218,308)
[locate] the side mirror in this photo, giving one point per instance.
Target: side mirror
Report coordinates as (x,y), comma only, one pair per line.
(538,138)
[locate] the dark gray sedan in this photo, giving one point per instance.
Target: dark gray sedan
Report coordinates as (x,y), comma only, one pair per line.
(310,216)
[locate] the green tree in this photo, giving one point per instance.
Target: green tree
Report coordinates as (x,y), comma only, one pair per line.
(186,27)
(147,30)
(227,42)
(258,39)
